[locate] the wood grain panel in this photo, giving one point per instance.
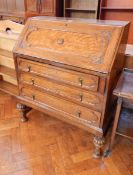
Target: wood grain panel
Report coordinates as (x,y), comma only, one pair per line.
(48,6)
(69,108)
(93,45)
(89,82)
(31,6)
(93,100)
(92,57)
(94,66)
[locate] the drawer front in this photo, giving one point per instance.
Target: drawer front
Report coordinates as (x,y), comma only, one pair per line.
(93,117)
(10,43)
(89,82)
(14,18)
(7,61)
(93,100)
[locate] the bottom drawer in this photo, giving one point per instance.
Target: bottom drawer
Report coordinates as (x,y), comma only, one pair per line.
(61,105)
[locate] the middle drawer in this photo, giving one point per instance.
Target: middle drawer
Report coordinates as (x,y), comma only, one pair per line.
(93,100)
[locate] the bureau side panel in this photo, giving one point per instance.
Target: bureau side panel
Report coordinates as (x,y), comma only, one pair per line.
(113,77)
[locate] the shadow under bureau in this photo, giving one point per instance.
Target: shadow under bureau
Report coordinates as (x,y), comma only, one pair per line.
(68,69)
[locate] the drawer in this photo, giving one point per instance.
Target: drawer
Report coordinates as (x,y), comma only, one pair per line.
(9,79)
(13,18)
(93,100)
(7,61)
(61,105)
(9,40)
(86,81)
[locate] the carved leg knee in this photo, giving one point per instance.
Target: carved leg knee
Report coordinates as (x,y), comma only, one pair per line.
(23,111)
(98,142)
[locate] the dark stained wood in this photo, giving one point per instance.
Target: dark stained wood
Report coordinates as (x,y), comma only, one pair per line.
(124,85)
(118,110)
(125,125)
(129,61)
(129,57)
(123,91)
(23,110)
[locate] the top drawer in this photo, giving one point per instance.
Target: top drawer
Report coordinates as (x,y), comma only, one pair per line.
(89,82)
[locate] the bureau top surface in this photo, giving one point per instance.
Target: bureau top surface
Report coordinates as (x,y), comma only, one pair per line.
(86,44)
(81,20)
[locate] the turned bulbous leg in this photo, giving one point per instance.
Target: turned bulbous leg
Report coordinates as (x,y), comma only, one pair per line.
(23,111)
(98,142)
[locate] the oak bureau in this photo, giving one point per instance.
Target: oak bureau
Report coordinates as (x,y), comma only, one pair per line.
(68,68)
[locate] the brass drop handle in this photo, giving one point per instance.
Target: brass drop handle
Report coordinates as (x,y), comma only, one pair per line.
(33,81)
(29,69)
(79,114)
(81,97)
(60,41)
(81,82)
(33,97)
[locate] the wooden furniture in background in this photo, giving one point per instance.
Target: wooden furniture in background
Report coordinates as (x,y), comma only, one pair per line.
(20,10)
(118,10)
(86,56)
(12,10)
(124,92)
(9,33)
(44,8)
(81,8)
(129,57)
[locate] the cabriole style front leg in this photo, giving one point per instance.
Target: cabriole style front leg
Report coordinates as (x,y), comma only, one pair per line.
(23,110)
(98,142)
